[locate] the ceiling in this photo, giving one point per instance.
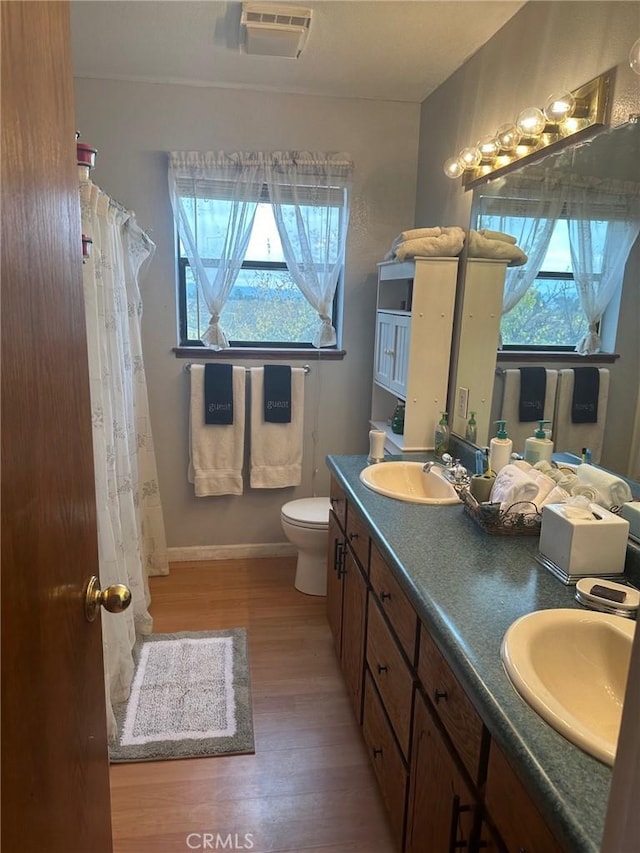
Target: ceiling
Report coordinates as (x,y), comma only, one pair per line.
(380,50)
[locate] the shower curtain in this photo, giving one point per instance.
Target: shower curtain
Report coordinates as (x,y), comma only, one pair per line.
(131,535)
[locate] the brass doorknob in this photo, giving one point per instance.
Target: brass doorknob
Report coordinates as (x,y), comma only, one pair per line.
(114,598)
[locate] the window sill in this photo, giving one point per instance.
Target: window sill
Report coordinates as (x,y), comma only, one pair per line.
(555,356)
(270,354)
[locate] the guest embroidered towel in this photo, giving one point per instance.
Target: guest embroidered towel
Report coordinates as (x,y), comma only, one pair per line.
(218,394)
(586,389)
(533,390)
(216,451)
(276,448)
(277,393)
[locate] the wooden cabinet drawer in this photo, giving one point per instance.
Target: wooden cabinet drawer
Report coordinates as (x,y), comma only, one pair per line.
(394,603)
(520,824)
(338,501)
(358,538)
(385,757)
(458,716)
(391,675)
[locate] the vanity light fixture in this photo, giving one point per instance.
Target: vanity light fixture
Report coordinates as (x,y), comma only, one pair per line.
(634,57)
(565,118)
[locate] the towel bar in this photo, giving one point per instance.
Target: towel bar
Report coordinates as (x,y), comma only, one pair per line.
(305,367)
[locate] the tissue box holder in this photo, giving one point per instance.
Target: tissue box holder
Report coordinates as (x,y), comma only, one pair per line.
(574,548)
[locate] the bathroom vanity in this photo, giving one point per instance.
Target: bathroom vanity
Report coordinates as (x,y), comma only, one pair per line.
(419,599)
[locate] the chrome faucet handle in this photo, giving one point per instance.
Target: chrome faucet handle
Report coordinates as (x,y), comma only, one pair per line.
(448,460)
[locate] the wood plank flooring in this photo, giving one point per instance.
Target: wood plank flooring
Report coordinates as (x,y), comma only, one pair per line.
(309,786)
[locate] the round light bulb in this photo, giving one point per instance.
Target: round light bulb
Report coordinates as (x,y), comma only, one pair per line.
(488,147)
(634,57)
(452,168)
(559,107)
(469,158)
(508,137)
(531,122)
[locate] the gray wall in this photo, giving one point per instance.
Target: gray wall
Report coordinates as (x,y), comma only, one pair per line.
(133,125)
(546,47)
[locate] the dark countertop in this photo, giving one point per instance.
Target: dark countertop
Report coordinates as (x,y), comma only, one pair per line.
(468,587)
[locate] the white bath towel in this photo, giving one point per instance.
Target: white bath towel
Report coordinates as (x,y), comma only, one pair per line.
(216,451)
(573,437)
(513,485)
(545,486)
(557,495)
(519,432)
(416,233)
(612,490)
(276,449)
(447,245)
(483,247)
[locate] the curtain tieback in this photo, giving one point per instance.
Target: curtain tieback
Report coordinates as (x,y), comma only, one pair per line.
(593,327)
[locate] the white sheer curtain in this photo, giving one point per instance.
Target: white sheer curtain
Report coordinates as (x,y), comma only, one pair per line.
(131,538)
(309,193)
(531,220)
(604,222)
(214,198)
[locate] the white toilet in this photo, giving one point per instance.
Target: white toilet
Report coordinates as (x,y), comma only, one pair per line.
(305,523)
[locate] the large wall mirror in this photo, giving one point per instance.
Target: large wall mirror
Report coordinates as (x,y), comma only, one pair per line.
(598,180)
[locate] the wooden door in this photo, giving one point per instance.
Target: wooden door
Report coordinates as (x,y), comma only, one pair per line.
(442,810)
(55,775)
(354,609)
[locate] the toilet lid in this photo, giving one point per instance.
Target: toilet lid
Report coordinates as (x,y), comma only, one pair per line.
(307,512)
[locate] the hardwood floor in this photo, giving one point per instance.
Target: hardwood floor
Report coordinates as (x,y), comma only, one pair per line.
(309,785)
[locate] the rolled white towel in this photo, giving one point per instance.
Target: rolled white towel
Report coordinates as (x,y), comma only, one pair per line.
(511,486)
(545,486)
(497,235)
(447,245)
(588,492)
(416,234)
(613,491)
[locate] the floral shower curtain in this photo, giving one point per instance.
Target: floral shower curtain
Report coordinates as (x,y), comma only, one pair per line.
(131,536)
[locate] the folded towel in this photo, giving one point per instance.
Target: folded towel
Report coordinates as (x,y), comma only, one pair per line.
(533,390)
(586,389)
(557,495)
(276,448)
(483,247)
(216,451)
(415,234)
(612,490)
(218,393)
(574,436)
(512,486)
(448,245)
(277,394)
(545,486)
(497,235)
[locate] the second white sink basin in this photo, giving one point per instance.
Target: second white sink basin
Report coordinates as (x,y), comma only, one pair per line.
(407,481)
(571,666)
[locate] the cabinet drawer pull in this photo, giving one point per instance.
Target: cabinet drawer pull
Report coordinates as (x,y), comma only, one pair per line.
(381,669)
(440,694)
(384,596)
(377,752)
(353,536)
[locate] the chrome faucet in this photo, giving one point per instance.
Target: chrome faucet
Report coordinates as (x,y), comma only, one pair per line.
(428,466)
(454,471)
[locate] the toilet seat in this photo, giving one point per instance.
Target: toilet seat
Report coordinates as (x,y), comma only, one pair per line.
(312,513)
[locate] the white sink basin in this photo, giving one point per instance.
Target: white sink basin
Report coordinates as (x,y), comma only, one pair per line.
(407,481)
(571,666)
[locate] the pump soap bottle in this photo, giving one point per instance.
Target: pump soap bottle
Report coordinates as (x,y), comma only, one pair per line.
(471,432)
(500,448)
(538,447)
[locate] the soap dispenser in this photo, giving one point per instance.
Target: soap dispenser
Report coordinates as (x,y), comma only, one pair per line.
(538,447)
(397,420)
(500,448)
(441,437)
(471,432)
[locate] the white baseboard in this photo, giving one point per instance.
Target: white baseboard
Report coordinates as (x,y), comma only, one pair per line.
(192,553)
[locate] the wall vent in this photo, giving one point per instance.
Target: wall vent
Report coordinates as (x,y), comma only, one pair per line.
(275,30)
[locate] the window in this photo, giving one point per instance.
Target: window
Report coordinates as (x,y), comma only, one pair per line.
(265,307)
(261,241)
(549,315)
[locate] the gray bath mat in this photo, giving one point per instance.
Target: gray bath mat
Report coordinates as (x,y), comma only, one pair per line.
(190,697)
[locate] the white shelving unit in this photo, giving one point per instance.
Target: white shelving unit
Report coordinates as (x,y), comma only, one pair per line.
(414,323)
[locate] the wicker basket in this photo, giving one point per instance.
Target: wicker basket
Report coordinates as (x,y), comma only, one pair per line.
(520,519)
